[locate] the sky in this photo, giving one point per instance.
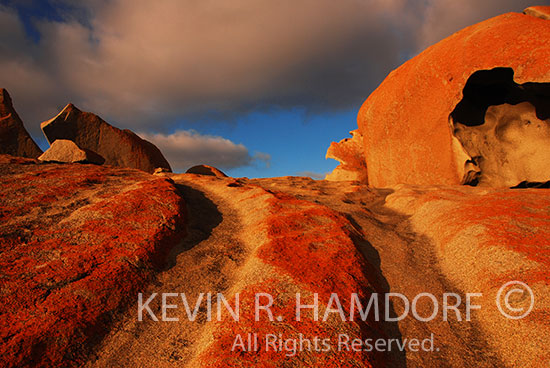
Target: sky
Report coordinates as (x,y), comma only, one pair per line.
(256,88)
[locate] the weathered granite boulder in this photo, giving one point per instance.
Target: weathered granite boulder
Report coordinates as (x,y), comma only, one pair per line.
(408,122)
(63,150)
(119,147)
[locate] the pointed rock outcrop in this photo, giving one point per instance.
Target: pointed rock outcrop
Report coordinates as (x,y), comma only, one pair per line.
(14,138)
(119,147)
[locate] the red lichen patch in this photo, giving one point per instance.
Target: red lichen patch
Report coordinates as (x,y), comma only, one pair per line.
(517,220)
(311,251)
(279,343)
(76,243)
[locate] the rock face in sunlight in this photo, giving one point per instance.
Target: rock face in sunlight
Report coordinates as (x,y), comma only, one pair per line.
(76,242)
(206,170)
(496,236)
(63,150)
(14,138)
(110,266)
(349,152)
(407,122)
(119,147)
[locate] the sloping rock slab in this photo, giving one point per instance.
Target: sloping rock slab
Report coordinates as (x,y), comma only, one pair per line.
(485,238)
(75,244)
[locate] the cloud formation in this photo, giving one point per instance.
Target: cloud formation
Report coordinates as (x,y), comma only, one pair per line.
(184,149)
(145,64)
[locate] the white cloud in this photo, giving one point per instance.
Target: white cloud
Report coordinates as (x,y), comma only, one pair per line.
(184,149)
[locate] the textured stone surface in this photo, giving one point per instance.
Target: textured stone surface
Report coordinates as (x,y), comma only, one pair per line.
(484,238)
(119,147)
(14,138)
(63,150)
(512,146)
(206,170)
(349,152)
(405,122)
(76,242)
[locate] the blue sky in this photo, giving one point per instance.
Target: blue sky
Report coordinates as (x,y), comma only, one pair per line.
(296,141)
(257,89)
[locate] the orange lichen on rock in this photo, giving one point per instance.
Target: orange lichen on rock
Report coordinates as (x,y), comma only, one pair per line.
(76,243)
(309,250)
(484,238)
(405,122)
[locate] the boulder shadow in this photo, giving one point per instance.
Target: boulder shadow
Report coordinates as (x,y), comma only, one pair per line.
(394,358)
(202,217)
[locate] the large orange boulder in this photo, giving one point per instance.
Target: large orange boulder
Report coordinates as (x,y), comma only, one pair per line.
(14,138)
(119,147)
(408,122)
(76,244)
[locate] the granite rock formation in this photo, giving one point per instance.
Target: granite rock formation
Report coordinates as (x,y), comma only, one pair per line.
(63,150)
(14,138)
(76,243)
(408,121)
(119,147)
(349,152)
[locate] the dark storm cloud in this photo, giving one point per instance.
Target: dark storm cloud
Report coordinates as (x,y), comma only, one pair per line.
(143,64)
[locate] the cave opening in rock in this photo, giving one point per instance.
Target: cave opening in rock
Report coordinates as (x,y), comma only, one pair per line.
(504,128)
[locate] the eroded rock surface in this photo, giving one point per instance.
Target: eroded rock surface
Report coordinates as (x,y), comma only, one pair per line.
(349,152)
(63,150)
(14,138)
(119,147)
(76,243)
(511,146)
(408,137)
